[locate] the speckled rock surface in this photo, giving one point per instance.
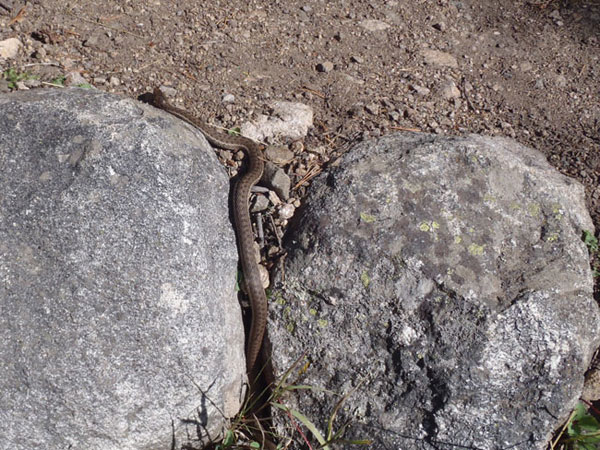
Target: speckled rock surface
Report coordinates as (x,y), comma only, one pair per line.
(448,276)
(117,265)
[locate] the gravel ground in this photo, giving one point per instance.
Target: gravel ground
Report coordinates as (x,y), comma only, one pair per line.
(523,69)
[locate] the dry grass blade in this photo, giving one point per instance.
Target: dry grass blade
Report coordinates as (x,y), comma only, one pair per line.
(19,17)
(414,130)
(306,422)
(337,408)
(313,172)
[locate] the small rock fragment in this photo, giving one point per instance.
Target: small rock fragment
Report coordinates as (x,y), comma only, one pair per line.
(264,276)
(277,180)
(372,108)
(279,154)
(449,90)
(326,66)
(373,25)
(525,66)
(74,79)
(40,53)
(421,90)
(288,120)
(228,98)
(435,57)
(286,211)
(560,81)
(260,203)
(9,48)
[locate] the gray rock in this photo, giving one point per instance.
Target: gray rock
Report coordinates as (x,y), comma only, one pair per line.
(560,81)
(289,120)
(120,325)
(228,98)
(440,26)
(261,203)
(372,108)
(448,90)
(279,154)
(40,53)
(444,284)
(438,58)
(325,66)
(421,90)
(525,66)
(287,211)
(373,25)
(4,86)
(276,179)
(74,79)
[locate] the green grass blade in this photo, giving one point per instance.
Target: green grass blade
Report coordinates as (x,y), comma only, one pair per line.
(306,422)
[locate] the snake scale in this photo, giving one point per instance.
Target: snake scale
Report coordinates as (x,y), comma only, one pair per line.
(241,214)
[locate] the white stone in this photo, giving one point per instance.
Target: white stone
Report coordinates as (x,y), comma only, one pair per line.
(9,48)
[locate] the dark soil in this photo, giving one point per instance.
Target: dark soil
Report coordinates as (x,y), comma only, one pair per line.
(527,69)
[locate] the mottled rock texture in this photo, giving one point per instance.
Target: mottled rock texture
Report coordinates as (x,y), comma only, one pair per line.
(119,323)
(445,283)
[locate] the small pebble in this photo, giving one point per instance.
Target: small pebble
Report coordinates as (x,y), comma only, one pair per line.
(372,108)
(40,53)
(279,154)
(228,98)
(421,90)
(9,48)
(261,203)
(326,66)
(449,90)
(287,211)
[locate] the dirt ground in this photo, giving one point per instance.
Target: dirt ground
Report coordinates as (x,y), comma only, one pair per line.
(523,69)
(526,69)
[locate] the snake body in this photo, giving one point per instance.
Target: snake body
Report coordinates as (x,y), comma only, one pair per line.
(241,214)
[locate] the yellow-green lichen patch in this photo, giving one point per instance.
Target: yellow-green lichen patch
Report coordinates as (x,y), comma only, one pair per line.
(429,226)
(278,298)
(312,311)
(476,250)
(534,209)
(557,211)
(364,278)
(457,239)
(366,217)
(322,323)
(552,237)
(515,206)
(489,198)
(290,327)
